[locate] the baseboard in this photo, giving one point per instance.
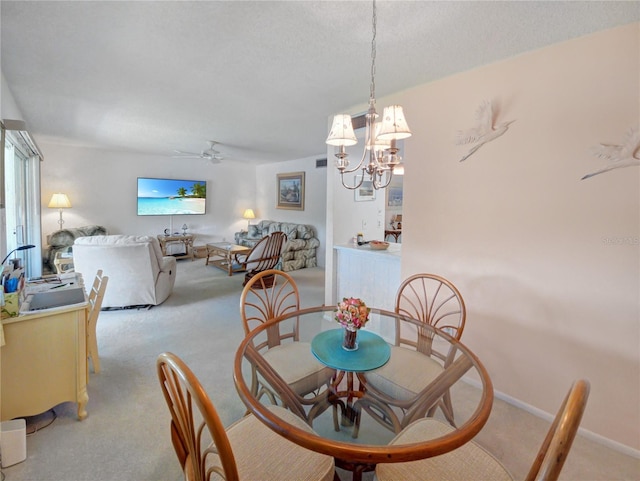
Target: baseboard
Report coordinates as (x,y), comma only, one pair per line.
(590,435)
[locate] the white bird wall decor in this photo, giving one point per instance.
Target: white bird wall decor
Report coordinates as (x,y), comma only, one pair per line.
(485,130)
(618,156)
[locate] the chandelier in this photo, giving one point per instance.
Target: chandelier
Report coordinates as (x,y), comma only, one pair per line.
(380,136)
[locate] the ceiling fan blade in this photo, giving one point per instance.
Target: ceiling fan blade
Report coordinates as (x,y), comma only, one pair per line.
(212,155)
(182,152)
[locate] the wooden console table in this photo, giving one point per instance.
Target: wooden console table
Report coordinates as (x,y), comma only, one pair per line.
(186,239)
(44,362)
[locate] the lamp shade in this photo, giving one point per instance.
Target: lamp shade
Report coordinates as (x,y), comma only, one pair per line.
(394,125)
(59,201)
(248,214)
(341,132)
(378,143)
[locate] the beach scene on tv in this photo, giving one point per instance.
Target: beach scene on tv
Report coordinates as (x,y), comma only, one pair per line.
(171,196)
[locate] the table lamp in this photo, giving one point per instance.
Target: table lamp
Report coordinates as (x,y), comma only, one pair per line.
(59,201)
(21,248)
(248,214)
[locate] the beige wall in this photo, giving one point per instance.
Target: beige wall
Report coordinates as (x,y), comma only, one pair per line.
(548,264)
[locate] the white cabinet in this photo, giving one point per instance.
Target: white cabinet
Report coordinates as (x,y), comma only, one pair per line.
(371,275)
(44,362)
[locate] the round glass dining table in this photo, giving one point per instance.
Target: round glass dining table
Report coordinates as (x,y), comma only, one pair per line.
(342,427)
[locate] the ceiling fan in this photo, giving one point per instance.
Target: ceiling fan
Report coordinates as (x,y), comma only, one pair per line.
(210,154)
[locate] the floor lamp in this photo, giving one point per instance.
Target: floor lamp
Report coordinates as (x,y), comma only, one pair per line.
(59,201)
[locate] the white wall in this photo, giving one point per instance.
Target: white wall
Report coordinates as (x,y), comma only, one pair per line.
(351,216)
(102,187)
(314,212)
(548,264)
(8,110)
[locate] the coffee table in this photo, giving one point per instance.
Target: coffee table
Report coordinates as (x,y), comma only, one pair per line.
(226,252)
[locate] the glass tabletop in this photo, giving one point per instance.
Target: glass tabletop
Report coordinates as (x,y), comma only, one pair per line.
(226,246)
(267,370)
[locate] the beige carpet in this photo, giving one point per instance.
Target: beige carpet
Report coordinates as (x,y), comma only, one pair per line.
(126,436)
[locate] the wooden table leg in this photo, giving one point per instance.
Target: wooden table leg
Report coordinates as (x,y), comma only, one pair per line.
(229,265)
(356,468)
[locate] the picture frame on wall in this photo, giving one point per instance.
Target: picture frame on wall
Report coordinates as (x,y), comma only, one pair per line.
(366,191)
(290,191)
(394,196)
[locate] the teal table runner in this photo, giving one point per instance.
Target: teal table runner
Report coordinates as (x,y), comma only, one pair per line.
(372,352)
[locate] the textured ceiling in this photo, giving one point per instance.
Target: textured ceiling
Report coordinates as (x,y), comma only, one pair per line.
(260,77)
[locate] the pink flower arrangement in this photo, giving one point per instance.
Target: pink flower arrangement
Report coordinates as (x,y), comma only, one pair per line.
(352,313)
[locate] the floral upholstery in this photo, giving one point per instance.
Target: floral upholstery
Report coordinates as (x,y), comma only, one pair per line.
(300,249)
(62,240)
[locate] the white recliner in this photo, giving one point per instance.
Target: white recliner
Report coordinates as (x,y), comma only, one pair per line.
(138,272)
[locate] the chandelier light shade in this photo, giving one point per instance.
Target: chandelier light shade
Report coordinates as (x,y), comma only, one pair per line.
(380,136)
(59,201)
(248,214)
(341,133)
(394,125)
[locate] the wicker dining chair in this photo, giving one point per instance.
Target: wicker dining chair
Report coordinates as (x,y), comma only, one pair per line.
(96,294)
(246,450)
(267,295)
(435,301)
(472,461)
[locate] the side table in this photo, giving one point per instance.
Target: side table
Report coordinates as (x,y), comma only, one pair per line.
(186,239)
(63,262)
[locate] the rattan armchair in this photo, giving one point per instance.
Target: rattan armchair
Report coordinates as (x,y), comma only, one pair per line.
(264,256)
(471,461)
(432,300)
(267,295)
(246,450)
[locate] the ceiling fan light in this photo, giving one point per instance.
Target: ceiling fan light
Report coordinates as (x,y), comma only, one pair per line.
(394,125)
(341,133)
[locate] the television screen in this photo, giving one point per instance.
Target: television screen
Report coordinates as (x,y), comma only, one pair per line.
(171,196)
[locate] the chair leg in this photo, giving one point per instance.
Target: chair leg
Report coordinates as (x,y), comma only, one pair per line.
(92,349)
(447,408)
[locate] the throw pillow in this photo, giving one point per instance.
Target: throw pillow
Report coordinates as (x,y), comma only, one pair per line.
(254,232)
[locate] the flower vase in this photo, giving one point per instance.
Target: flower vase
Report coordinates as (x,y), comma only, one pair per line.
(349,342)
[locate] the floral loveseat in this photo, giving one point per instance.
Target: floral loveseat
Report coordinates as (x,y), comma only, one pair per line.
(62,240)
(300,249)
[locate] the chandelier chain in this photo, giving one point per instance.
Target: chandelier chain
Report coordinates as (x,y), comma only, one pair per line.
(372,92)
(380,137)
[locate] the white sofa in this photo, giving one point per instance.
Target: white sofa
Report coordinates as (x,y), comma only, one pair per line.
(138,272)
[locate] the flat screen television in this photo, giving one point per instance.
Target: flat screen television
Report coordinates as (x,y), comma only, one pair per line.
(171,196)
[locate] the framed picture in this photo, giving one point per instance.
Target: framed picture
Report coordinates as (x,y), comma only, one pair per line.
(290,191)
(365,191)
(394,196)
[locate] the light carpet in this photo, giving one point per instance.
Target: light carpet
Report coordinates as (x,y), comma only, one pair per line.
(126,434)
